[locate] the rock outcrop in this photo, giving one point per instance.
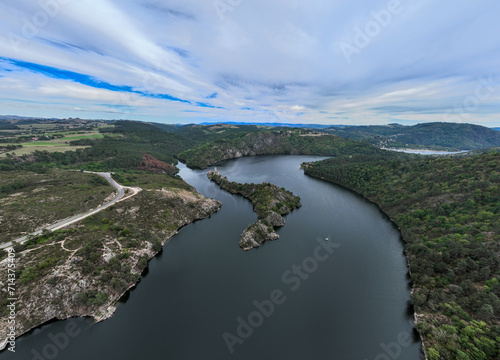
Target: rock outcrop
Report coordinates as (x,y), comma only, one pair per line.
(270,203)
(275,142)
(84,269)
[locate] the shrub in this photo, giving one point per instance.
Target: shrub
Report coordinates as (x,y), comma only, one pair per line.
(157,245)
(101,298)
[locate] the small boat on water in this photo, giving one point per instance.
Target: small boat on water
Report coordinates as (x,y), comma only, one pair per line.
(326,239)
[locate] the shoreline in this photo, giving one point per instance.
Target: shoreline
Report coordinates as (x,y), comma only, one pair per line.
(107,310)
(270,218)
(410,282)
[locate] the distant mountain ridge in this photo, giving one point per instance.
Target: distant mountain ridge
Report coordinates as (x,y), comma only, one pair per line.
(438,135)
(272,124)
(435,136)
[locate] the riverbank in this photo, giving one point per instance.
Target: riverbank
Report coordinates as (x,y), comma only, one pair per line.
(446,208)
(273,142)
(416,315)
(84,270)
(197,288)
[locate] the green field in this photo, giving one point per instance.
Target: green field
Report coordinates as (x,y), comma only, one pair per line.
(84,136)
(49,146)
(38,126)
(29,200)
(70,132)
(39,143)
(56,145)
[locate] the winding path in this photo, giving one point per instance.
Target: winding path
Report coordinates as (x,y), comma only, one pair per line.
(76,218)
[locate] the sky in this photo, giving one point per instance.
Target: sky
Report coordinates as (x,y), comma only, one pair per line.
(351,62)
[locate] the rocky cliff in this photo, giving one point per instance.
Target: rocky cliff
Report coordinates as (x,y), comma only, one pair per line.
(272,142)
(84,269)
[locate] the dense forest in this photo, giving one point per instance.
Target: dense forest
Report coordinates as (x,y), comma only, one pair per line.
(273,142)
(202,134)
(440,136)
(448,210)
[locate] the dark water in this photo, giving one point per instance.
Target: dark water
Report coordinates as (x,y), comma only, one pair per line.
(348,300)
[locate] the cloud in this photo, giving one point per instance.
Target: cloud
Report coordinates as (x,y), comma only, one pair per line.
(188,60)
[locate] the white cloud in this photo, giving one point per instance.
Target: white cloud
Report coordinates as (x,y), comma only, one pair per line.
(280,59)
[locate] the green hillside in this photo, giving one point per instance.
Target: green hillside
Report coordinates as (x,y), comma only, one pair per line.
(273,142)
(127,145)
(438,135)
(448,210)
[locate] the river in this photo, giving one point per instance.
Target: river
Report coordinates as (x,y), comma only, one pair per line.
(428,152)
(299,297)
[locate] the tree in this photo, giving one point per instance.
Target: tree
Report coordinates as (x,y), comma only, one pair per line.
(486,312)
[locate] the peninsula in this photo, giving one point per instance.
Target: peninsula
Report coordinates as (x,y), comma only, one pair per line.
(270,203)
(85,268)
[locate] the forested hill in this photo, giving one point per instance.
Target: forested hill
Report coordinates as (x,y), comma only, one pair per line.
(130,145)
(438,135)
(202,134)
(273,142)
(126,145)
(448,210)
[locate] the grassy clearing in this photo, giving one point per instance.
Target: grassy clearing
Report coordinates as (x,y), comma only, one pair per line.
(64,139)
(30,200)
(40,143)
(83,136)
(56,145)
(50,148)
(74,133)
(39,126)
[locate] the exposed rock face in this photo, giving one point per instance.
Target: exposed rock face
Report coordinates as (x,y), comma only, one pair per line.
(270,142)
(270,203)
(251,144)
(65,289)
(256,234)
(275,219)
(151,164)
